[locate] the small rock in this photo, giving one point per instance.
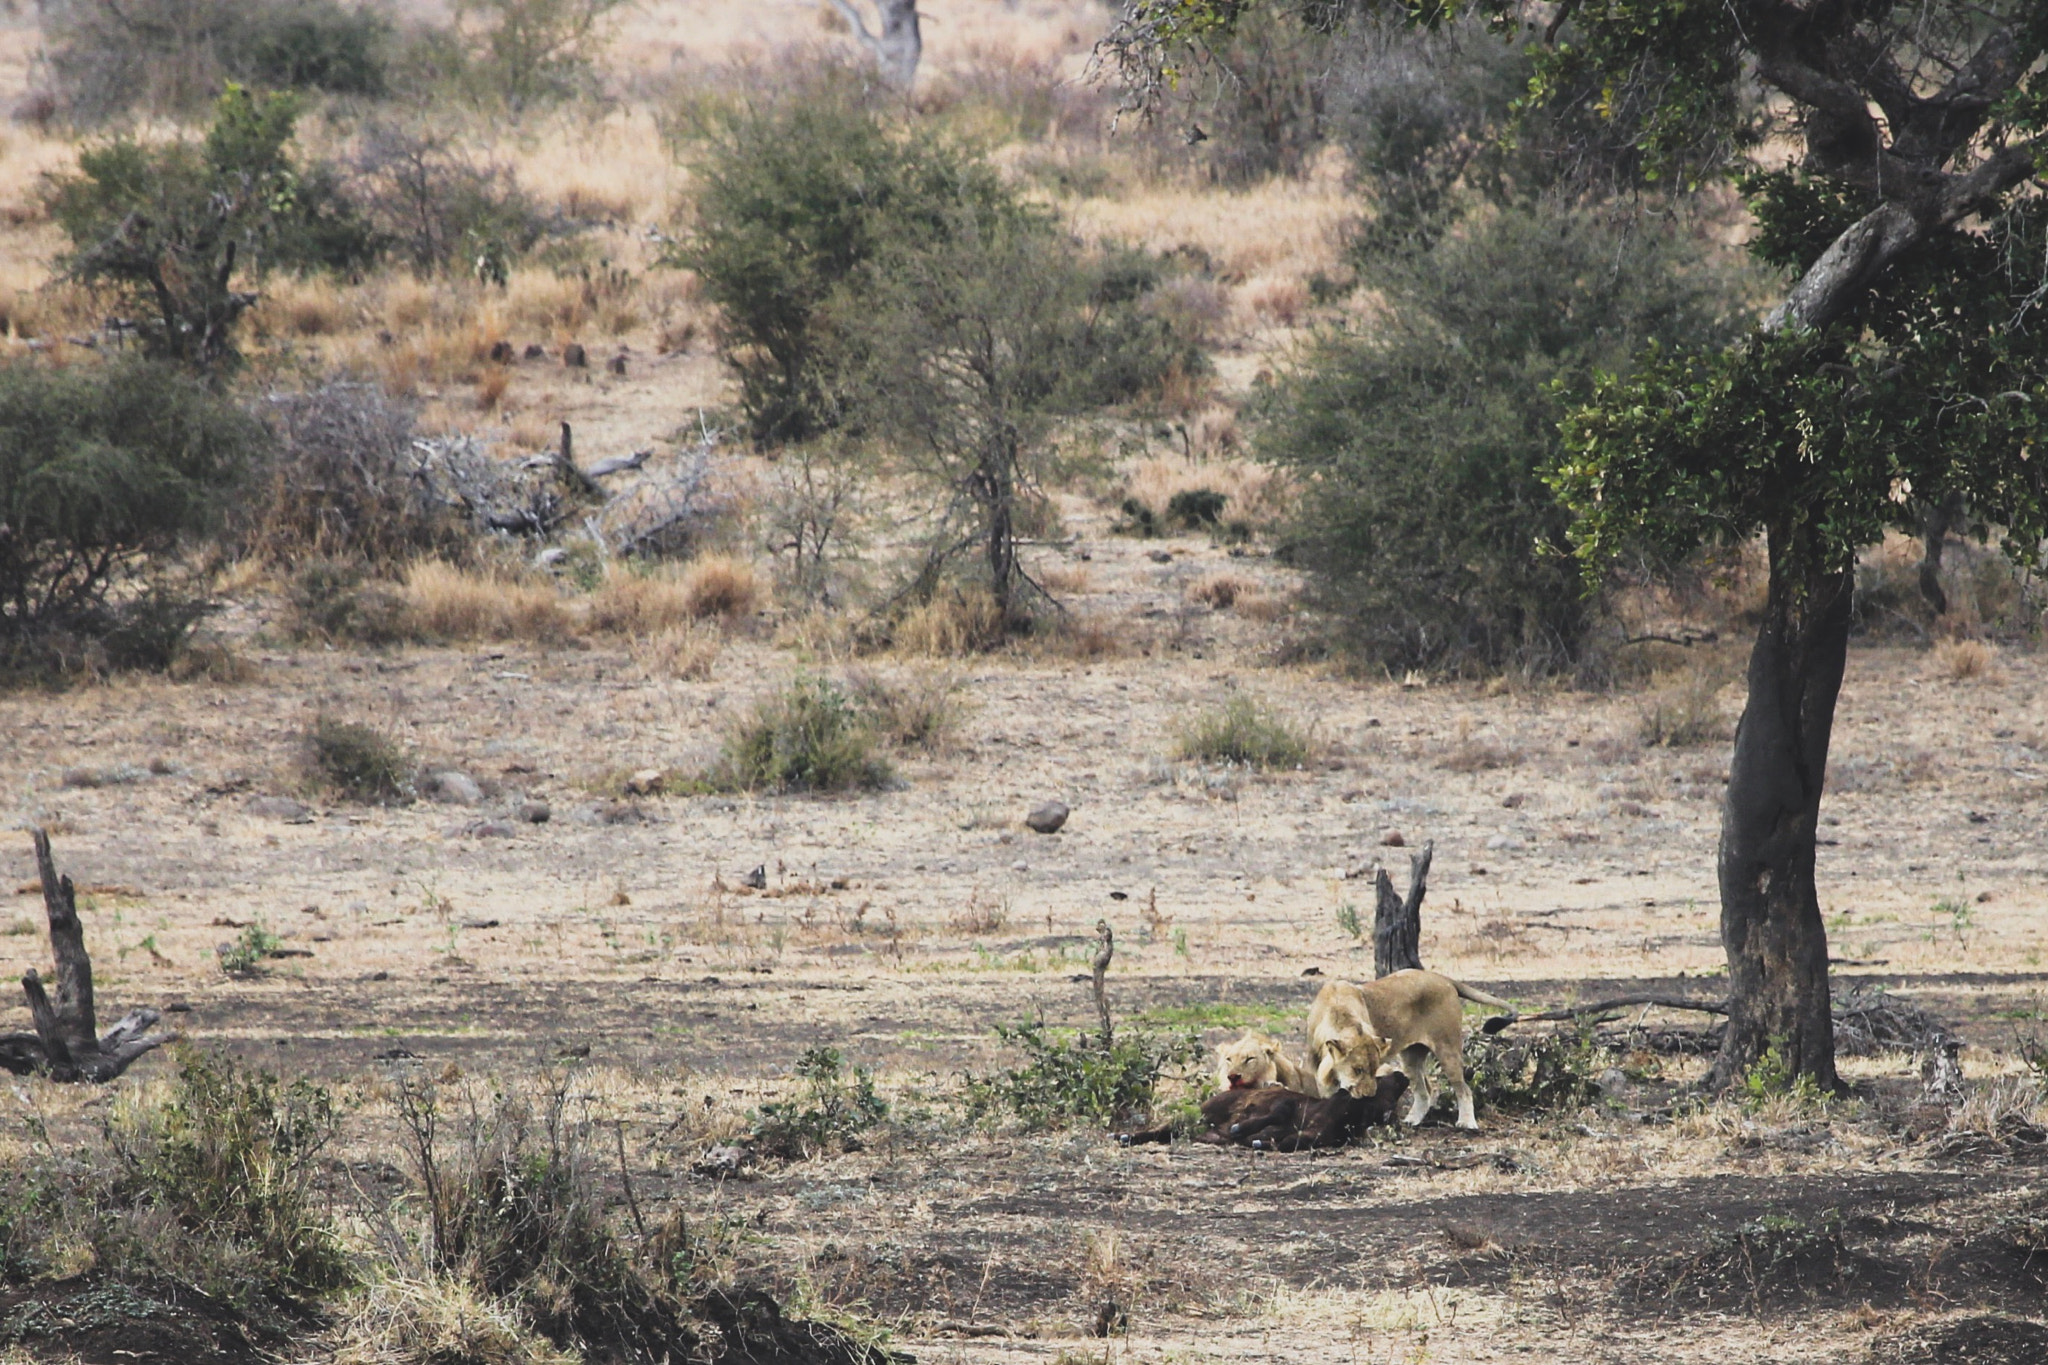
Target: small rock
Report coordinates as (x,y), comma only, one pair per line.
(501,353)
(536,351)
(1020,866)
(480,924)
(1513,800)
(722,1162)
(1047,818)
(1503,843)
(491,829)
(451,788)
(646,782)
(1392,838)
(533,813)
(1160,556)
(1311,971)
(757,879)
(574,357)
(280,808)
(1613,1082)
(617,365)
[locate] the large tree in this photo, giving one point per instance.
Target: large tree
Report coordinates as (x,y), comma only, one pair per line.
(1904,364)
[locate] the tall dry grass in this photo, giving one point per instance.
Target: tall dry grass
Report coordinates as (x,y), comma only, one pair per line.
(445,602)
(1255,493)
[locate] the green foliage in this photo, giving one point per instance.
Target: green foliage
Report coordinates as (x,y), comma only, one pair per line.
(1531,1072)
(1245,731)
(230,1153)
(831,1111)
(249,950)
(809,737)
(1065,1080)
(355,761)
(1824,439)
(437,208)
(520,54)
(1771,1078)
(1349,921)
(167,227)
(1430,530)
(106,472)
(170,57)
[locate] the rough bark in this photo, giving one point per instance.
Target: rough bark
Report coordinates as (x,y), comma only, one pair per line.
(1397,920)
(1771,925)
(899,45)
(66,1043)
(1103,955)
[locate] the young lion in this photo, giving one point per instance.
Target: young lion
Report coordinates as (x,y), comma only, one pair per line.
(1407,1016)
(1257,1060)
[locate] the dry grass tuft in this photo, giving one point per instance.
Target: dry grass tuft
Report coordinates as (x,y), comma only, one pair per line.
(1470,753)
(643,604)
(1065,578)
(921,708)
(684,652)
(453,604)
(1255,494)
(1219,590)
(439,1319)
(950,625)
(720,585)
(1962,660)
(1687,711)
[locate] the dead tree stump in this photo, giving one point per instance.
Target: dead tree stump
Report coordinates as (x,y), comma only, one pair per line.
(1397,920)
(67,1044)
(1103,954)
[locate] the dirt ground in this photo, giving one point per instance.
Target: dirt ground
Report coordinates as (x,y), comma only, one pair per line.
(619,938)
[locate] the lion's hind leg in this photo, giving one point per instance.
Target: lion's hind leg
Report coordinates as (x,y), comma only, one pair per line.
(1414,1064)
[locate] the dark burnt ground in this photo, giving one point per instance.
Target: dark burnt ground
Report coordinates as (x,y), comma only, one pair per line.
(754,1023)
(99,1320)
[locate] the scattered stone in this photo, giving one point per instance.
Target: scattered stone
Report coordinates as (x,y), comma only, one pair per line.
(723,1162)
(490,829)
(1311,971)
(757,879)
(617,365)
(536,351)
(1047,818)
(1020,866)
(646,782)
(1160,556)
(533,813)
(451,788)
(1392,838)
(501,353)
(395,1054)
(574,357)
(1514,800)
(280,808)
(608,813)
(119,775)
(1503,843)
(480,924)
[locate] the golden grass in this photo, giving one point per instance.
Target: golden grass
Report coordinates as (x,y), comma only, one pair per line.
(720,585)
(1963,660)
(950,625)
(685,652)
(448,603)
(1066,578)
(639,604)
(1257,493)
(1218,590)
(1279,230)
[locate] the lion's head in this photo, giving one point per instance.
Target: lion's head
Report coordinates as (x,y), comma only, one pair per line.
(1250,1062)
(1350,1061)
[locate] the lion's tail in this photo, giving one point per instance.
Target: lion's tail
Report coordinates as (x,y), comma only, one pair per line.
(1479,997)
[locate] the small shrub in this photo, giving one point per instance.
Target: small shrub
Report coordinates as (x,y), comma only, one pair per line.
(684,652)
(951,624)
(1771,1078)
(834,1107)
(1962,660)
(1196,508)
(919,711)
(355,761)
(523,54)
(440,209)
(809,737)
(1534,1072)
(1064,1080)
(249,950)
(1218,590)
(334,600)
(106,474)
(720,585)
(230,1154)
(1243,731)
(1686,713)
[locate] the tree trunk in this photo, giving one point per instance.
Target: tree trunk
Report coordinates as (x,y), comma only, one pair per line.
(900,44)
(998,492)
(1397,921)
(1770,910)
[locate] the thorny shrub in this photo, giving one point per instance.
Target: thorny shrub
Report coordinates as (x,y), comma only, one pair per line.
(808,737)
(355,761)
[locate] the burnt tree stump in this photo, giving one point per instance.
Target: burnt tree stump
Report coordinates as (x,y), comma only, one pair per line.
(1397,920)
(67,1044)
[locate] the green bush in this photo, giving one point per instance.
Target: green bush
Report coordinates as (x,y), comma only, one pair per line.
(106,474)
(355,761)
(808,737)
(1068,1079)
(1430,532)
(831,1111)
(170,57)
(1529,1072)
(1246,732)
(169,227)
(230,1154)
(248,951)
(435,207)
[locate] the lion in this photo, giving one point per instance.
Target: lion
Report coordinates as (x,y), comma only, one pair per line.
(1406,1017)
(1257,1060)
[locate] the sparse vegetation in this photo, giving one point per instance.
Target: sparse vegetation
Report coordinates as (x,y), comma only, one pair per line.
(833,1107)
(1064,1079)
(355,761)
(808,737)
(246,953)
(1245,731)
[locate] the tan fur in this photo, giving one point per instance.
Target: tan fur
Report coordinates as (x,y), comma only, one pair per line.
(1258,1060)
(1406,1018)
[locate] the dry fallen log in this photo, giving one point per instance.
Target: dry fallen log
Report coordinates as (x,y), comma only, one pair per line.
(67,1044)
(1668,1002)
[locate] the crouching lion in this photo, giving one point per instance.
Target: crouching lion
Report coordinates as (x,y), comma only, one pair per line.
(1257,1060)
(1405,1017)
